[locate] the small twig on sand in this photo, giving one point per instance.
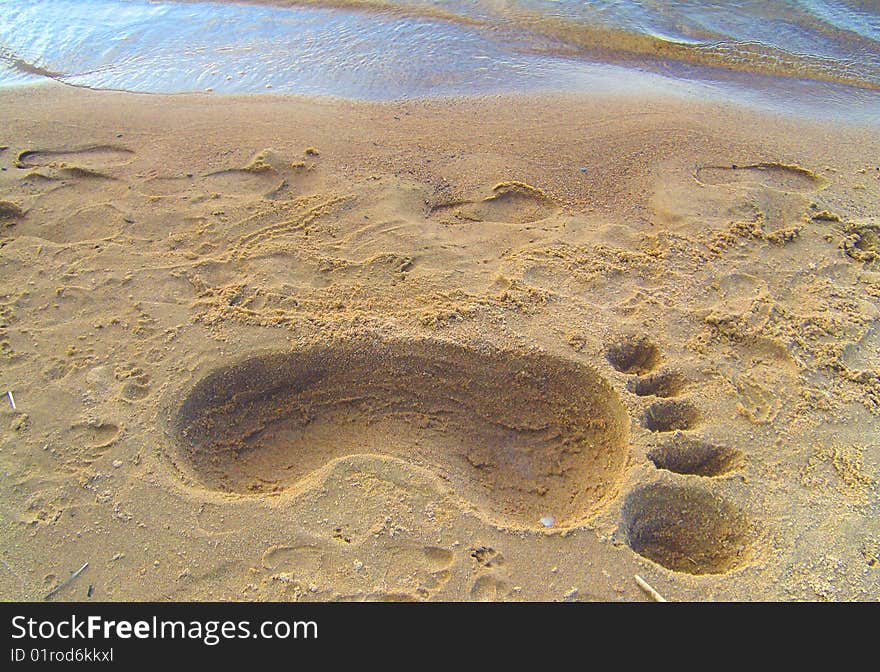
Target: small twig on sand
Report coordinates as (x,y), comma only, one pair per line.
(11,400)
(657,597)
(66,582)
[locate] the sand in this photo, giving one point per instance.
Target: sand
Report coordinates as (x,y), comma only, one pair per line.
(511,348)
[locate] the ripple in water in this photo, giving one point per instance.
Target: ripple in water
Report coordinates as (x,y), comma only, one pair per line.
(138,46)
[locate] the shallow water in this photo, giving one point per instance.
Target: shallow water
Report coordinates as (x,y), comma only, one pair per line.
(814,57)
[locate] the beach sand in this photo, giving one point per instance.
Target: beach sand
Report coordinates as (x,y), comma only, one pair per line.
(514,348)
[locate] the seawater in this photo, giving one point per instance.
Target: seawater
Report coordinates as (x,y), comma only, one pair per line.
(814,57)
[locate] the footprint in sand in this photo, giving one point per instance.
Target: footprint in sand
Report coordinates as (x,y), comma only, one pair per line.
(232,182)
(266,175)
(89,158)
(861,242)
(44,507)
(771,174)
(93,222)
(491,583)
(517,434)
(759,404)
(413,569)
(135,382)
(91,440)
(57,368)
(487,557)
(512,202)
(305,560)
(241,181)
(299,567)
(64,204)
(390,571)
(771,196)
(490,589)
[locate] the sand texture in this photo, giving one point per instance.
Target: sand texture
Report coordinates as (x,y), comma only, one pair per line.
(270,348)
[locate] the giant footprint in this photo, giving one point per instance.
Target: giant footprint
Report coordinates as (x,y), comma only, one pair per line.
(520,435)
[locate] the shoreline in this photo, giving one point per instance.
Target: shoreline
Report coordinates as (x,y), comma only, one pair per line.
(506,49)
(619,45)
(693,287)
(734,92)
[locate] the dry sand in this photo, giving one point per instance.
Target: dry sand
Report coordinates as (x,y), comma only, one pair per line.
(267,348)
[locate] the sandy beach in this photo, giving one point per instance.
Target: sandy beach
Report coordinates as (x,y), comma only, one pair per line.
(517,348)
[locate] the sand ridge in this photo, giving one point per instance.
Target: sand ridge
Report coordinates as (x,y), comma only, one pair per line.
(290,349)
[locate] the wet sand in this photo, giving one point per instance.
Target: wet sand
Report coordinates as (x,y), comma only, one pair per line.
(512,348)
